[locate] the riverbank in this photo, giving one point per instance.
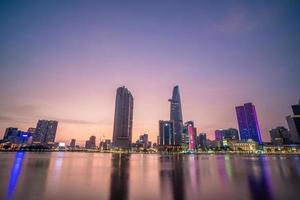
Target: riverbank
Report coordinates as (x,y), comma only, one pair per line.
(160,153)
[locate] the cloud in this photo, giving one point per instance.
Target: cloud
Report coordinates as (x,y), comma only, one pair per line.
(6,119)
(21,114)
(11,119)
(23,110)
(76,121)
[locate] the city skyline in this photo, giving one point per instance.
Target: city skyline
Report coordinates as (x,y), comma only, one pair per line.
(123,125)
(64,63)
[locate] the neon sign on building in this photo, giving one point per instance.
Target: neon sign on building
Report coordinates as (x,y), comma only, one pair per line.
(191,137)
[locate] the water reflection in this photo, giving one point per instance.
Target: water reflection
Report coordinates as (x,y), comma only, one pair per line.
(35,171)
(119,177)
(221,169)
(194,173)
(259,180)
(172,176)
(147,177)
(14,174)
(290,172)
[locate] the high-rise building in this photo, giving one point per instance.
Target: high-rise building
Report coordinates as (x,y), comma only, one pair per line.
(73,143)
(218,135)
(16,136)
(45,132)
(227,134)
(294,124)
(296,109)
(87,144)
(166,133)
(107,144)
(176,115)
(189,135)
(122,133)
(202,141)
(248,123)
(10,133)
(143,140)
(279,135)
(93,142)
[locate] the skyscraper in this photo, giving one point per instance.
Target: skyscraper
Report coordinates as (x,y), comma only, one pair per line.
(45,131)
(166,133)
(190,133)
(176,115)
(248,123)
(122,133)
(294,123)
(91,143)
(202,141)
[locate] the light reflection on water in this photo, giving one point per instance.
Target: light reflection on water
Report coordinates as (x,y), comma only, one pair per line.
(14,174)
(140,176)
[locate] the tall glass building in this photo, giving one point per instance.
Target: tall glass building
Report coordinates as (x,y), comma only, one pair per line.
(189,135)
(176,115)
(45,131)
(248,123)
(122,133)
(166,133)
(294,123)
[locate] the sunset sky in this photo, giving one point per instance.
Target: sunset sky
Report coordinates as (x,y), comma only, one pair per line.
(64,60)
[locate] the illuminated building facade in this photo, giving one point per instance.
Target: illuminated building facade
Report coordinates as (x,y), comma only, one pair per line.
(166,133)
(248,147)
(16,136)
(189,135)
(248,123)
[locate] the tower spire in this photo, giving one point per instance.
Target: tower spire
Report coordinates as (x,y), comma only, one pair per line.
(176,114)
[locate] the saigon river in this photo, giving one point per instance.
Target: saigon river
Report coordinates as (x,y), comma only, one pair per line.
(75,175)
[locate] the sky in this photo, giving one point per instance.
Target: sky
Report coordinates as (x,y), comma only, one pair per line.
(64,60)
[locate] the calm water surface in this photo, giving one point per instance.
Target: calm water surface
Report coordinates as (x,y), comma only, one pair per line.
(137,176)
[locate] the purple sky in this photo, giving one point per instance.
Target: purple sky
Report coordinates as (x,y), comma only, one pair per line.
(64,60)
